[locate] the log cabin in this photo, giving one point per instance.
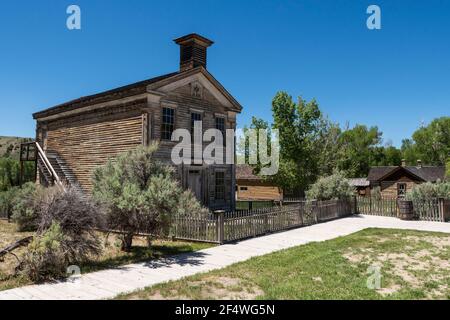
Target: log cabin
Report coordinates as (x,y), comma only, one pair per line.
(79,135)
(395,181)
(251,187)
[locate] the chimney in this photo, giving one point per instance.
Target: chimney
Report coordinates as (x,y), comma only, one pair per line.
(403,162)
(192,51)
(419,163)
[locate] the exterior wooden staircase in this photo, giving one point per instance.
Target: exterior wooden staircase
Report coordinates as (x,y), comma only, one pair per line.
(51,167)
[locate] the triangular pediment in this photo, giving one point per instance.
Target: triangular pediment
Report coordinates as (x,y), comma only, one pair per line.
(197,81)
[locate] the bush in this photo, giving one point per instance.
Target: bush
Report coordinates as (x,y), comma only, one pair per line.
(45,258)
(427,191)
(78,218)
(7,201)
(66,221)
(139,194)
(332,187)
(25,203)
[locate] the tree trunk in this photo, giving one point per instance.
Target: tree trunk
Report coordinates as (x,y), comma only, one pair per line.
(127,241)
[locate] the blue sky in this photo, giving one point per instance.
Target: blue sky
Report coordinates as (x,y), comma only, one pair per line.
(396,77)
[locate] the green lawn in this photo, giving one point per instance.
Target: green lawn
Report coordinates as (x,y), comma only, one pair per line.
(111,257)
(413,265)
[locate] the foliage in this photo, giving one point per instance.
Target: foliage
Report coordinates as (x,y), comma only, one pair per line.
(428,191)
(357,150)
(7,201)
(45,258)
(77,216)
(66,223)
(10,172)
(431,143)
(25,203)
(312,146)
(139,194)
(335,186)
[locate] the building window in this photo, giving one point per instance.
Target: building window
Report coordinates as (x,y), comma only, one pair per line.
(167,124)
(401,189)
(243,188)
(220,125)
(220,185)
(195,116)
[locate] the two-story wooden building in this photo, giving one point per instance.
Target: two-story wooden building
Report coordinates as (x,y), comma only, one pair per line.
(79,135)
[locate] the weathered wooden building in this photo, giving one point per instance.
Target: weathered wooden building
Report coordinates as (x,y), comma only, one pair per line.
(79,135)
(395,181)
(251,187)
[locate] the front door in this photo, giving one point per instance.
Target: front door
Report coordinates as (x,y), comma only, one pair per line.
(195,183)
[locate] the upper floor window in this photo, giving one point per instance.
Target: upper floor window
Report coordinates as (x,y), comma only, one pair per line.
(220,125)
(168,123)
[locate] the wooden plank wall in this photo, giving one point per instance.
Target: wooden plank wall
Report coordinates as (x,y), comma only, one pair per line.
(259,192)
(86,146)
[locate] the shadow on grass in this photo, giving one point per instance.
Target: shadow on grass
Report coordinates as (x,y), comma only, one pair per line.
(144,254)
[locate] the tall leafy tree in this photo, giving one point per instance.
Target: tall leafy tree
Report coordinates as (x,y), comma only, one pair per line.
(431,143)
(358,150)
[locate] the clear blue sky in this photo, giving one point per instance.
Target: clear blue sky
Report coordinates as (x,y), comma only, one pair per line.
(394,78)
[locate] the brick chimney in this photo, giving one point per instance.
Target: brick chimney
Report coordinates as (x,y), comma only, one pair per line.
(192,51)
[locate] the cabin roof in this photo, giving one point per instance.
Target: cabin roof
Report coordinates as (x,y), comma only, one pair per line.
(425,173)
(359,182)
(245,172)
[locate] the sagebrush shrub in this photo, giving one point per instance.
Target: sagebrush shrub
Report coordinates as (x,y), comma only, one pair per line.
(139,194)
(45,258)
(427,191)
(25,204)
(335,186)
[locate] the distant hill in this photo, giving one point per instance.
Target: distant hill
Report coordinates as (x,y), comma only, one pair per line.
(10,146)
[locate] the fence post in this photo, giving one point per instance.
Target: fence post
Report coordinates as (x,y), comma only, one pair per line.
(355,201)
(441,209)
(314,207)
(220,225)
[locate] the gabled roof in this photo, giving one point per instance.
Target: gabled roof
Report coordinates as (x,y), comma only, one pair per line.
(135,89)
(131,89)
(245,172)
(425,173)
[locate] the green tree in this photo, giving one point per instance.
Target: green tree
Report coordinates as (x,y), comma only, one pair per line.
(301,128)
(431,143)
(358,150)
(10,173)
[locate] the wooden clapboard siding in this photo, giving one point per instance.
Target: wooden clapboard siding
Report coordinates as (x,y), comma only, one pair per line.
(85,146)
(258,192)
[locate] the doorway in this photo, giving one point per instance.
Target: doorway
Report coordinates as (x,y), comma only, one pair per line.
(195,183)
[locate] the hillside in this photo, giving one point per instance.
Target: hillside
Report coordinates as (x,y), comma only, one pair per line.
(10,146)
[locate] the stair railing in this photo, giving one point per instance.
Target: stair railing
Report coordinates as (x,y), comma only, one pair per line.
(49,166)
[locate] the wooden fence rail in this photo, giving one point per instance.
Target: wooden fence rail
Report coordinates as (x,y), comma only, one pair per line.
(428,210)
(223,226)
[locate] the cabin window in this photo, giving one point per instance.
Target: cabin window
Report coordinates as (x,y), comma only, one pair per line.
(220,185)
(195,116)
(401,189)
(167,125)
(220,125)
(243,188)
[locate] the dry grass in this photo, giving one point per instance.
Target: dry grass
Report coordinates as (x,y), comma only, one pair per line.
(111,256)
